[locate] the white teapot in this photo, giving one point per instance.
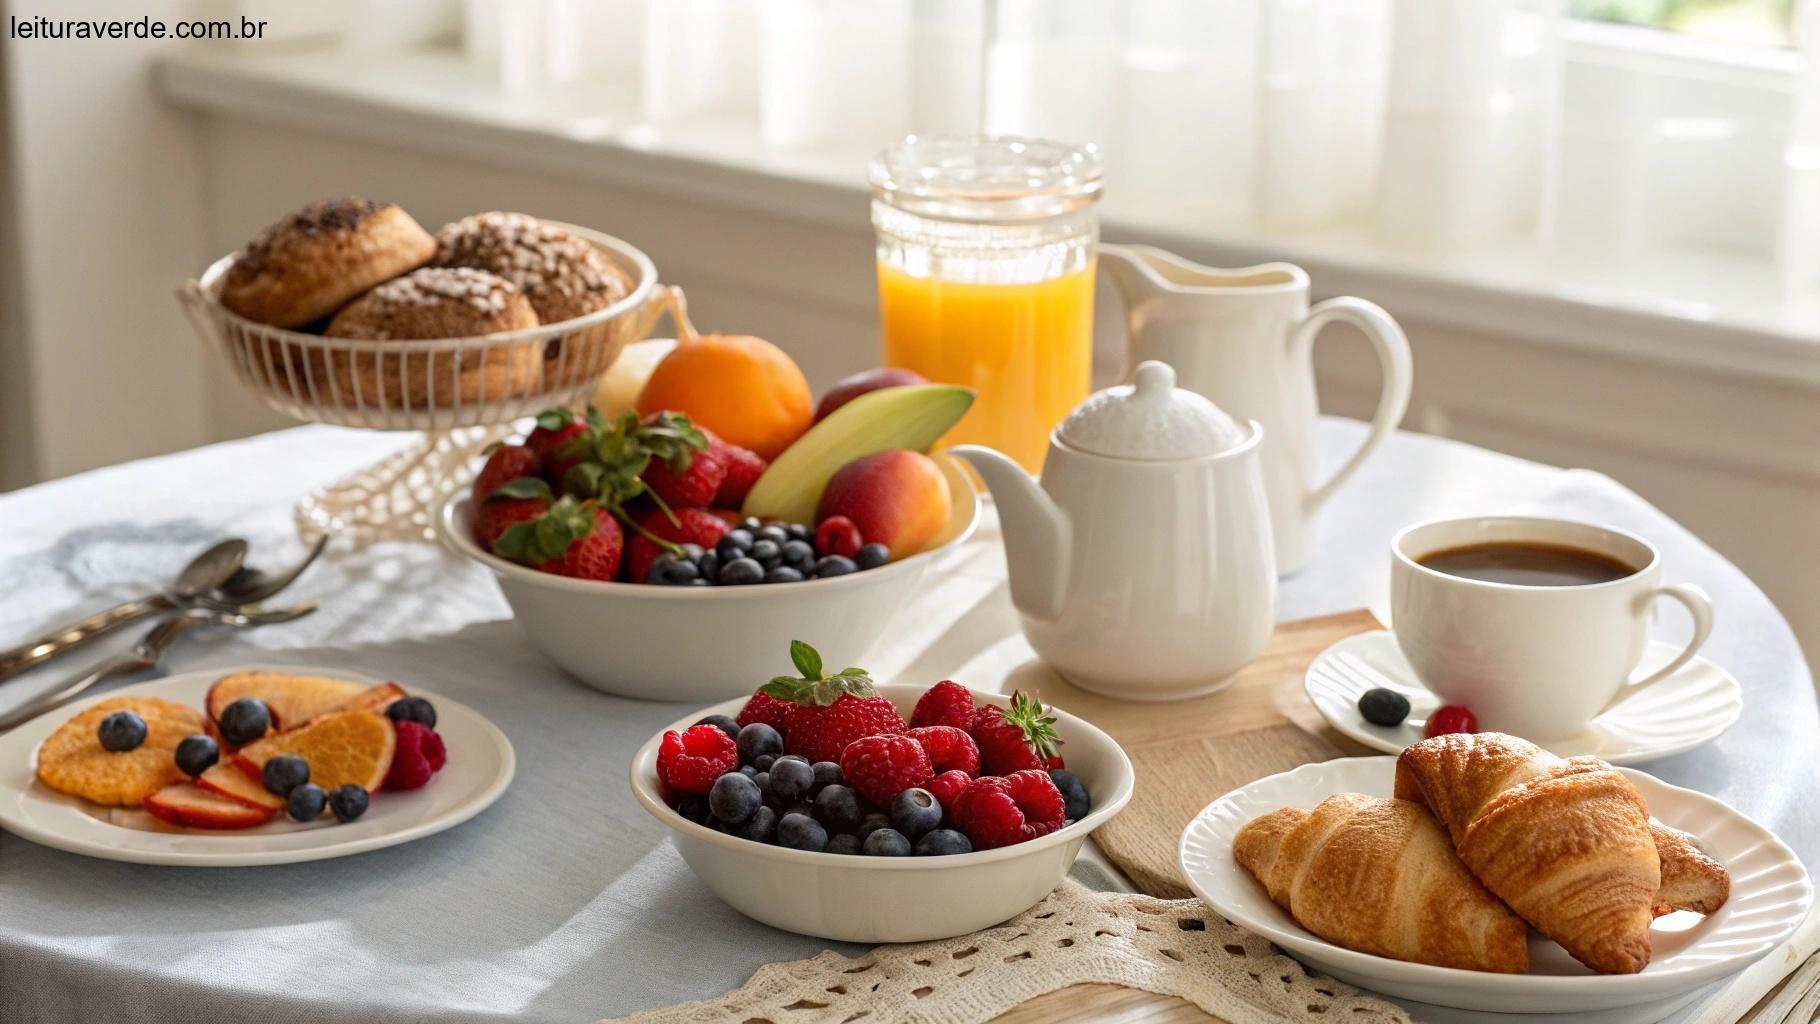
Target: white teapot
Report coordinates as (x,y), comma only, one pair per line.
(1142,567)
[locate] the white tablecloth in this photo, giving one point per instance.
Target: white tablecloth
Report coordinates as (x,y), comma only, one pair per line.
(563,903)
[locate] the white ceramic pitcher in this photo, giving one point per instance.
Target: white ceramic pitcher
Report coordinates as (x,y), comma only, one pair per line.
(1245,339)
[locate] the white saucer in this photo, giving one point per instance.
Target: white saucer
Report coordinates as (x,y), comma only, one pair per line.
(1770,896)
(1684,711)
(479,768)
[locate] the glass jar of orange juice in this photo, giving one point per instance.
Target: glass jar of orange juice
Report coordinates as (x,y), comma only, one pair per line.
(986,249)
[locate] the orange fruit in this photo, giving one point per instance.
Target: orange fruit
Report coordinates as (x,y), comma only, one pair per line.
(743,388)
(342,747)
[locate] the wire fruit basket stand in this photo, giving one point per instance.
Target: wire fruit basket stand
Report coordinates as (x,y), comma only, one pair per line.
(458,394)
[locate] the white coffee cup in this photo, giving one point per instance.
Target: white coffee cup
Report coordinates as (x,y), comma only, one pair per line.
(1537,661)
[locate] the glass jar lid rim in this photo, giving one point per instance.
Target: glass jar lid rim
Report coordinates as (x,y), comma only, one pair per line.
(990,172)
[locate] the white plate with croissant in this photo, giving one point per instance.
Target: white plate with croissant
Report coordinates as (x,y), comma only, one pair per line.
(1482,872)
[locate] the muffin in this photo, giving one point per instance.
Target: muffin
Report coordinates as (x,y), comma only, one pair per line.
(435,303)
(317,259)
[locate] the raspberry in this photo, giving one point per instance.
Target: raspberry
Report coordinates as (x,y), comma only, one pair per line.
(1004,810)
(744,467)
(822,733)
(948,748)
(945,703)
(1016,738)
(419,754)
(767,709)
(947,788)
(690,761)
(508,462)
(837,536)
(881,767)
(692,526)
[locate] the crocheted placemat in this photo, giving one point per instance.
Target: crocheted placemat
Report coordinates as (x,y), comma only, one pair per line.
(1075,935)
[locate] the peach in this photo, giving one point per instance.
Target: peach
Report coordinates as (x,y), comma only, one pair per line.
(897,498)
(848,388)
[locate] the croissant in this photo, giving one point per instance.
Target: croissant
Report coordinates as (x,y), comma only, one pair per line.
(1378,876)
(1567,843)
(1690,879)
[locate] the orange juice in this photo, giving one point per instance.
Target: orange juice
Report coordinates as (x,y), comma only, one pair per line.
(1026,348)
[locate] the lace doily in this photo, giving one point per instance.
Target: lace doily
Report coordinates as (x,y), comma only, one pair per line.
(1074,936)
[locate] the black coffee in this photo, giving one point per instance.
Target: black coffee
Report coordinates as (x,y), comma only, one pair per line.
(1527,565)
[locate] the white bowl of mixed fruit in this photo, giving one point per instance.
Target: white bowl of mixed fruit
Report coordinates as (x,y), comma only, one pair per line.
(833,806)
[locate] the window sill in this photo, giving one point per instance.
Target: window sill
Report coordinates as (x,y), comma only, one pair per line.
(1713,312)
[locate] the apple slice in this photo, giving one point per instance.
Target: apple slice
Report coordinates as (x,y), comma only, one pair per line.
(292,700)
(186,804)
(373,698)
(226,780)
(342,748)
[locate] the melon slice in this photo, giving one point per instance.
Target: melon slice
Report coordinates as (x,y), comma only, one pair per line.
(292,700)
(342,748)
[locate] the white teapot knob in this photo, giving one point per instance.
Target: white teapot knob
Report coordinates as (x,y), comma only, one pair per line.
(1150,418)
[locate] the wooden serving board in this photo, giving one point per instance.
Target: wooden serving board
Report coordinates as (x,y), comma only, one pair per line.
(1187,753)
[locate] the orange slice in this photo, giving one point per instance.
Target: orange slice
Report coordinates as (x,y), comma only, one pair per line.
(72,759)
(292,700)
(342,748)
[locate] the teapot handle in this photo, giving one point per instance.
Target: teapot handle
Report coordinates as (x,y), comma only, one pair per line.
(1393,360)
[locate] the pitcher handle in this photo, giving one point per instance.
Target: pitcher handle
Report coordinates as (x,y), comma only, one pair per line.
(1393,361)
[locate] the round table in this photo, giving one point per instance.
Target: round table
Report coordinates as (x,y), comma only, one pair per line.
(563,902)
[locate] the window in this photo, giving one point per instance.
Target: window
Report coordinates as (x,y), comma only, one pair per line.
(1748,22)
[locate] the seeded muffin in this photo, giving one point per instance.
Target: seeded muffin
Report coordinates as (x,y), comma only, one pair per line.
(434,303)
(564,276)
(315,260)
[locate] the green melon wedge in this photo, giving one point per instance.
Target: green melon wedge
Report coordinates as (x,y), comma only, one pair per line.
(914,417)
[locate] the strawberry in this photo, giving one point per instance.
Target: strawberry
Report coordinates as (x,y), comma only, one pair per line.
(690,761)
(507,462)
(837,535)
(995,811)
(744,467)
(945,703)
(1016,738)
(948,748)
(829,712)
(418,755)
(573,538)
(555,443)
(689,479)
(767,709)
(881,767)
(692,526)
(947,788)
(495,517)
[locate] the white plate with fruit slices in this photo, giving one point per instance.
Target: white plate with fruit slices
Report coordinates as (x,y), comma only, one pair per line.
(480,764)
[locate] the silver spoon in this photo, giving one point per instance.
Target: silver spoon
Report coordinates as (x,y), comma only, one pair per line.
(205,573)
(251,586)
(146,653)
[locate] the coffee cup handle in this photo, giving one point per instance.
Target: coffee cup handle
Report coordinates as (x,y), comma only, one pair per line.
(1701,608)
(1394,364)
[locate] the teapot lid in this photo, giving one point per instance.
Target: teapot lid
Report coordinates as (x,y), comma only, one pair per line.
(1150,418)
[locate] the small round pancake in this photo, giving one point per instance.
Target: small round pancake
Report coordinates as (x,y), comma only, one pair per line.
(72,759)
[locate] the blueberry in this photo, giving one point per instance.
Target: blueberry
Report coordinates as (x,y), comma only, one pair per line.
(412,709)
(348,802)
(1383,707)
(305,802)
(914,812)
(799,531)
(751,524)
(791,780)
(734,798)
(827,773)
(121,731)
(763,762)
(761,827)
(793,757)
(773,533)
(767,552)
(723,723)
(941,842)
(887,842)
(699,582)
(748,771)
(847,844)
(755,739)
(692,552)
(799,555)
(872,822)
(733,544)
(801,832)
(707,567)
(244,721)
(837,807)
(871,556)
(739,572)
(763,781)
(783,574)
(284,773)
(805,808)
(197,754)
(670,571)
(693,806)
(1075,801)
(834,565)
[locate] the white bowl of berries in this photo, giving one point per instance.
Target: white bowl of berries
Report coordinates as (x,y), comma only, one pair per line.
(840,808)
(641,581)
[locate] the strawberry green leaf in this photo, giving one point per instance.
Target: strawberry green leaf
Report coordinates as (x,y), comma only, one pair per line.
(1029,715)
(807,659)
(557,418)
(521,487)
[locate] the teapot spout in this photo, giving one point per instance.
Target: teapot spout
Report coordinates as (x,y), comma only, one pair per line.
(1036,531)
